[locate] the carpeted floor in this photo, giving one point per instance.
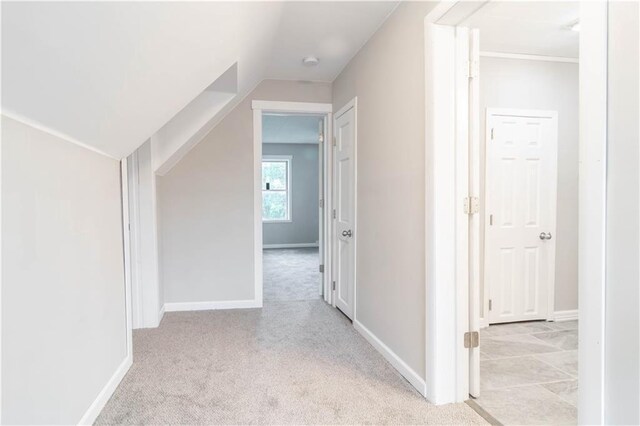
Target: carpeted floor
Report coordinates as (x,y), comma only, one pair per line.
(291,362)
(291,274)
(288,363)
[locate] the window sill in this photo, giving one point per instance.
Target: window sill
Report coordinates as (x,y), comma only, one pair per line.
(277,221)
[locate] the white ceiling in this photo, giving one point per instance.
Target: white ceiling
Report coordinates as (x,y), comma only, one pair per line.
(111,74)
(536,28)
(331,31)
(290,129)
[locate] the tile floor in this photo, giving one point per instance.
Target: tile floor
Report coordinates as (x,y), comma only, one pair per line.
(529,372)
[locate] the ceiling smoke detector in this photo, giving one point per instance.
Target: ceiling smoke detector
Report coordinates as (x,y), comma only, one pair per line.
(310,61)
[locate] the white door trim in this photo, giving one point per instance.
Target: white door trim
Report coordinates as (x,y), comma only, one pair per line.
(514,112)
(126,242)
(353,103)
(442,346)
(592,209)
(475,317)
(133,217)
(259,108)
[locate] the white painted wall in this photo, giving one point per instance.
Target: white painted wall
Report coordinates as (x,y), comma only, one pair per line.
(63,291)
(387,76)
(303,228)
(525,84)
(206,205)
(622,321)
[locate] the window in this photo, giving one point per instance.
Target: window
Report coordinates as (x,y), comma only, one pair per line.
(276,188)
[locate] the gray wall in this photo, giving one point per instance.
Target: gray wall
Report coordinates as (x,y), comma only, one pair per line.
(303,227)
(205,205)
(511,83)
(387,76)
(63,301)
(622,322)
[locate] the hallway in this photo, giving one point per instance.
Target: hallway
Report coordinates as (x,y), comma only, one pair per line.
(288,363)
(295,361)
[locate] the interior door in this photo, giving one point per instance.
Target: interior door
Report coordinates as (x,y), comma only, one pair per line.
(521,176)
(475,295)
(344,178)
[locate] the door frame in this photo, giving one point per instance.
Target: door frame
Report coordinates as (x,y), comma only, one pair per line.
(440,323)
(126,250)
(352,104)
(259,108)
(553,115)
(447,318)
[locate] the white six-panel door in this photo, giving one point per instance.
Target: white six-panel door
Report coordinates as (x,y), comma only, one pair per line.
(344,179)
(520,219)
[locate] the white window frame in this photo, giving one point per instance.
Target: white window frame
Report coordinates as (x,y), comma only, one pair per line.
(289,160)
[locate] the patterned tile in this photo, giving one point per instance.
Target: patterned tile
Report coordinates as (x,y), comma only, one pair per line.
(566,390)
(527,405)
(563,325)
(518,345)
(528,372)
(515,329)
(518,371)
(566,361)
(563,339)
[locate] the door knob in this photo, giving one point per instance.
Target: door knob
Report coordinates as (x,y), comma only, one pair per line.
(546,236)
(347,233)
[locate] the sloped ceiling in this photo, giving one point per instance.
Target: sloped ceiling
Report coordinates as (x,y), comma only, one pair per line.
(110,74)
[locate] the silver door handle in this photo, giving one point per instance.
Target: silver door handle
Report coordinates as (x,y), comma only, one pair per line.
(546,236)
(347,233)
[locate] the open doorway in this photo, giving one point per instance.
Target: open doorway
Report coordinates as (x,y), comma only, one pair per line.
(510,103)
(292,183)
(292,221)
(528,241)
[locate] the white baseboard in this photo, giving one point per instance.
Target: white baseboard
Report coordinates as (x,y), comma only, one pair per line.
(569,315)
(207,306)
(294,245)
(98,404)
(161,314)
(402,367)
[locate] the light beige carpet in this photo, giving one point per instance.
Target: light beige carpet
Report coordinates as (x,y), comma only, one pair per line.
(291,274)
(288,363)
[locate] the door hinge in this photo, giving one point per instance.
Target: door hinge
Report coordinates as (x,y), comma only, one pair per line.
(473,70)
(471,205)
(334,141)
(471,339)
(322,269)
(333,285)
(490,304)
(321,203)
(491,134)
(334,213)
